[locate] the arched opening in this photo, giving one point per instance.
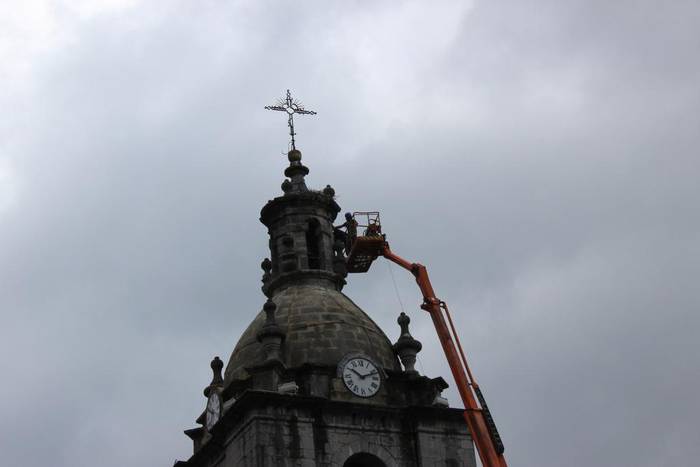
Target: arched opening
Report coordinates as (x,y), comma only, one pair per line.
(313,250)
(363,459)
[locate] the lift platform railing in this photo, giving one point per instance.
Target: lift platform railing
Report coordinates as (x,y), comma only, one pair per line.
(368,223)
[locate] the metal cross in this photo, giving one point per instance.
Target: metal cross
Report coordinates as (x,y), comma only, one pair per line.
(291,106)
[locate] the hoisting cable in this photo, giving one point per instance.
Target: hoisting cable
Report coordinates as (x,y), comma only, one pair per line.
(396,289)
(398,296)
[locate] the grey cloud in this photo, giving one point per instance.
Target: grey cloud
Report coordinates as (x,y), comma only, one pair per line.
(540,159)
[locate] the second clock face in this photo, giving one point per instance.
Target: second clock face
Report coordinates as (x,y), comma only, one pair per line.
(213,410)
(361,377)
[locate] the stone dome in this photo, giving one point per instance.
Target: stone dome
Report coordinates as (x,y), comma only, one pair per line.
(321,324)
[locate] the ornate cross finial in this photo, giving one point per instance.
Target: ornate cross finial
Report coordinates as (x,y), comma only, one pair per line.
(291,106)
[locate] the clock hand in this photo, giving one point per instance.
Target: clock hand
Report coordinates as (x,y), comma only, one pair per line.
(368,374)
(358,374)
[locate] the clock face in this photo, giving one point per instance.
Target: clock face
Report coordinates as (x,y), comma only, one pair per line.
(361,377)
(213,410)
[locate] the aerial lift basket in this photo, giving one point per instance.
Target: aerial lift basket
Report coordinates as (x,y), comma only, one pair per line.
(367,241)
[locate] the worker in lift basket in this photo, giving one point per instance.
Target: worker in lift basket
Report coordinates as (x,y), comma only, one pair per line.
(350,226)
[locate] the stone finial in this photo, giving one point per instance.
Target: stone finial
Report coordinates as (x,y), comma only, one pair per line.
(294,156)
(406,346)
(286,186)
(329,191)
(217,380)
(270,335)
(296,173)
(216,366)
(269,308)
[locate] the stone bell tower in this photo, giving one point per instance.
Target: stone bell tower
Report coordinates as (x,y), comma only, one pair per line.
(313,381)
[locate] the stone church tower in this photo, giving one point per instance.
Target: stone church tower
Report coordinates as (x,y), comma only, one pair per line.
(313,381)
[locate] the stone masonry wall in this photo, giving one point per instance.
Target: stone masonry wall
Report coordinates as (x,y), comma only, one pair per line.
(278,436)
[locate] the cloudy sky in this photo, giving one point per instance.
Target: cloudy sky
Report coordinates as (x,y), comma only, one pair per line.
(541,158)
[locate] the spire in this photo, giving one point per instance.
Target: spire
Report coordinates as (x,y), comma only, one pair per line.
(300,224)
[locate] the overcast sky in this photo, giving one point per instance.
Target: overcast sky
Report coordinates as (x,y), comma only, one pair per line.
(541,158)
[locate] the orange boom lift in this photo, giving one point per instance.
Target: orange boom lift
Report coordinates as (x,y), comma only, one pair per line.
(364,249)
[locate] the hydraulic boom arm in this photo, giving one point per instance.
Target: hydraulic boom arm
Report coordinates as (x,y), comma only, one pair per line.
(481,424)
